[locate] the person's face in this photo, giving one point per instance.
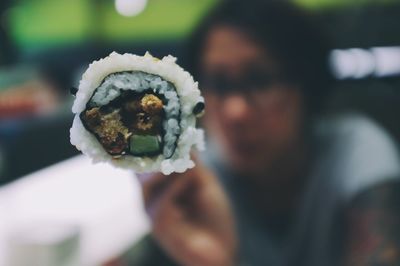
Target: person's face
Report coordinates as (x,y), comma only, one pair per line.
(252,113)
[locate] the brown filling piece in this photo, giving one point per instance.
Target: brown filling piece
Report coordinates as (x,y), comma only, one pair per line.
(113,124)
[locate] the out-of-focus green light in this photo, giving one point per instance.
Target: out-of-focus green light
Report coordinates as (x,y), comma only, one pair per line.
(37,24)
(42,21)
(160,20)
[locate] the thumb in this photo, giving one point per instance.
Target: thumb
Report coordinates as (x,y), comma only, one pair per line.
(166,201)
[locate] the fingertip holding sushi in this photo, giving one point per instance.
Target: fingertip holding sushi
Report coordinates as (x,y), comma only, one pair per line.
(107,79)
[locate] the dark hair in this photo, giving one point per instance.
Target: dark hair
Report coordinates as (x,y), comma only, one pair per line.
(287,31)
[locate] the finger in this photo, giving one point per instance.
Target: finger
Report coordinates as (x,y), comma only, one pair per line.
(153,187)
(147,182)
(150,179)
(146,177)
(165,206)
(201,172)
(152,184)
(156,187)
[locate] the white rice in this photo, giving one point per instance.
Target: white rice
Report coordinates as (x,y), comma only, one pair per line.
(186,89)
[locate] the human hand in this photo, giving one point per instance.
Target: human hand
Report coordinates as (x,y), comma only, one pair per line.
(191,217)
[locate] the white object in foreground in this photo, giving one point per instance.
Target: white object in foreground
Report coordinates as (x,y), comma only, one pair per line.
(103,202)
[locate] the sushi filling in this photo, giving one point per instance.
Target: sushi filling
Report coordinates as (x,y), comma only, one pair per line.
(139,120)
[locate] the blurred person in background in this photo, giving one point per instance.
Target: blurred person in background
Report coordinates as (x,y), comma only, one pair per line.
(280,184)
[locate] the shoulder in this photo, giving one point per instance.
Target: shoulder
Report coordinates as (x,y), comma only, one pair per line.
(360,152)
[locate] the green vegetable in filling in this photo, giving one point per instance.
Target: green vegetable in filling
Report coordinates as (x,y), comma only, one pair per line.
(144,145)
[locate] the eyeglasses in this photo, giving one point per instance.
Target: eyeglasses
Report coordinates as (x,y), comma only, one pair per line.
(261,90)
(221,83)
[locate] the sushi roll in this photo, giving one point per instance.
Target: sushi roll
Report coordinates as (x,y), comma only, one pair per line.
(139,113)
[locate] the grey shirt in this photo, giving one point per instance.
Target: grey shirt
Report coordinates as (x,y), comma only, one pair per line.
(352,154)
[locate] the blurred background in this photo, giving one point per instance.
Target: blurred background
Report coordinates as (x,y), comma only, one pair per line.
(45,45)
